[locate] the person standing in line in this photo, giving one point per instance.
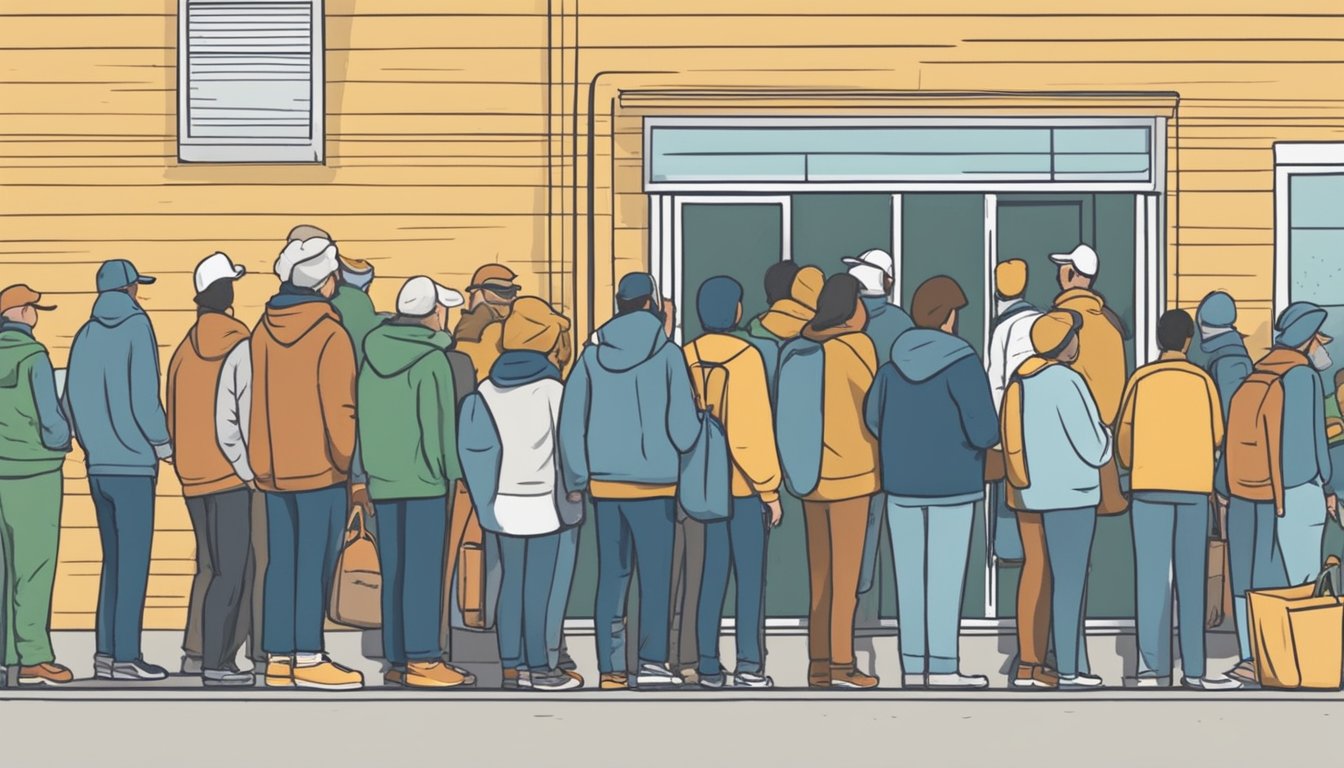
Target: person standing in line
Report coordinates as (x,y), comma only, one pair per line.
(218,498)
(407,418)
(113,396)
(830,459)
(1278,468)
(728,376)
(508,451)
(931,409)
(779,279)
(490,298)
(301,437)
(1169,429)
(34,438)
(1054,445)
(627,415)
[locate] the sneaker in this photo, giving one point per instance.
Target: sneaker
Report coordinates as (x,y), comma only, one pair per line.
(656,676)
(138,670)
(1035,676)
(711,682)
(689,675)
(395,676)
(225,678)
(913,681)
(468,678)
(1244,673)
(1149,681)
(851,677)
(958,681)
(516,678)
(553,680)
(818,674)
(752,680)
(279,672)
(192,665)
(102,666)
(431,674)
(1211,683)
(47,673)
(327,675)
(613,681)
(1080,681)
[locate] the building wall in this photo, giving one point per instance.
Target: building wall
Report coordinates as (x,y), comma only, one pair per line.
(462,132)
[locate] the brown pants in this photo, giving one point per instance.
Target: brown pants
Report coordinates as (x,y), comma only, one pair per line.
(1033,591)
(835,532)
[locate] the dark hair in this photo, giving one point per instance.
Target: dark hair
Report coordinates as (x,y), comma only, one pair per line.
(1174,329)
(779,280)
(626,306)
(217,297)
(837,302)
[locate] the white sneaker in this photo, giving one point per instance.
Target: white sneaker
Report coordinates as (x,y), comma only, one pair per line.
(1148,681)
(1211,683)
(656,676)
(956,680)
(914,681)
(1080,681)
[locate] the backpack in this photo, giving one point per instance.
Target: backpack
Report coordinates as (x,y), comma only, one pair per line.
(799,414)
(1255,430)
(704,483)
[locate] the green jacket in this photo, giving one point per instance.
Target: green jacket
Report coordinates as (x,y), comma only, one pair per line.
(407,413)
(357,316)
(34,435)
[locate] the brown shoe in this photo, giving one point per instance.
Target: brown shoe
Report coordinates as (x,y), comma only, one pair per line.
(395,676)
(613,681)
(1035,676)
(432,674)
(851,677)
(1244,673)
(279,672)
(46,673)
(574,674)
(819,674)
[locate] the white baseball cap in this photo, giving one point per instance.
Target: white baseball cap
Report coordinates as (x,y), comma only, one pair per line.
(419,295)
(1082,258)
(215,267)
(296,252)
(875,257)
(872,269)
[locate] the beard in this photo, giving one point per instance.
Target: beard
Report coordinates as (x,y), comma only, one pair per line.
(1320,358)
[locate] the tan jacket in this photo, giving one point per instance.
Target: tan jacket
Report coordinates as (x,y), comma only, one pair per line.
(1171,423)
(849,451)
(193,375)
(1101,350)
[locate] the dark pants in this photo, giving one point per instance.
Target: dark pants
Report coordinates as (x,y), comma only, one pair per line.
(193,641)
(304,533)
(737,543)
(125,509)
(631,531)
(223,524)
(529,565)
(688,565)
(411,543)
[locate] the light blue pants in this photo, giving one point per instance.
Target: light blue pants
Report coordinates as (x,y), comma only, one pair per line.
(1253,558)
(566,555)
(1170,537)
(1068,541)
(1301,531)
(930,546)
(528,564)
(1007,538)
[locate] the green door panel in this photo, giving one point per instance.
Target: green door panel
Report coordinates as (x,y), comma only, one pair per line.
(740,240)
(827,228)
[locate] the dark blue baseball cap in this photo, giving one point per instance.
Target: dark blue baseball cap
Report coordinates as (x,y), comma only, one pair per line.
(117,274)
(636,285)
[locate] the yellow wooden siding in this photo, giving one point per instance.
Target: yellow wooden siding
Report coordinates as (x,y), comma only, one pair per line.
(457,132)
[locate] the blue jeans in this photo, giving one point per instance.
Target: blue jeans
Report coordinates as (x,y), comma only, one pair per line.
(929,547)
(124,506)
(566,556)
(1170,537)
(631,531)
(303,531)
(1007,538)
(1253,559)
(411,540)
(1068,541)
(737,543)
(528,565)
(1301,531)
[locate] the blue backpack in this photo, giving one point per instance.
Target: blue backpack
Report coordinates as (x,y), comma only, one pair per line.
(704,483)
(798,414)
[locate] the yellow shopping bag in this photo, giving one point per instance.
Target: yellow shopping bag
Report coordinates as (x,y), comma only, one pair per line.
(1297,633)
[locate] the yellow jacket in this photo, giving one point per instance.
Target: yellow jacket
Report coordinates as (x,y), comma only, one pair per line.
(1101,350)
(1170,425)
(742,404)
(849,467)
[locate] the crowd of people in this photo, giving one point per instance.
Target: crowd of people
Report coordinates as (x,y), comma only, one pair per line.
(865,411)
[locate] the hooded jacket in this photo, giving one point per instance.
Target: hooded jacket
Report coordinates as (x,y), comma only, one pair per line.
(785,318)
(34,436)
(1054,441)
(1009,344)
(1226,360)
(194,373)
(1170,426)
(302,415)
(479,335)
(1101,354)
(886,322)
(741,402)
(767,344)
(849,451)
(408,412)
(931,409)
(628,412)
(113,390)
(357,316)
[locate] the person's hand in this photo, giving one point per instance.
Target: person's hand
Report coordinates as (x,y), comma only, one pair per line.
(776,513)
(359,494)
(575,497)
(669,316)
(1332,506)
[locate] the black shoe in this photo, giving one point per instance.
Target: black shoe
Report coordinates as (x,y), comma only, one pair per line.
(138,671)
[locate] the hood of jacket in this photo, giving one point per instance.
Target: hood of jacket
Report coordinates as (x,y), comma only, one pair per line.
(786,317)
(474,321)
(1280,360)
(391,349)
(1081,300)
(16,345)
(719,347)
(1034,365)
(628,340)
(835,331)
(1212,344)
(756,329)
(919,354)
(114,308)
(289,324)
(215,335)
(517,367)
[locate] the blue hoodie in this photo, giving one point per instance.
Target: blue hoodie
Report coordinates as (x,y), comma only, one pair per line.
(931,410)
(628,410)
(113,390)
(886,322)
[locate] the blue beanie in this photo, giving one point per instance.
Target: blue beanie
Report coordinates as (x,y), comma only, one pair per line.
(1217,310)
(1298,323)
(717,303)
(635,285)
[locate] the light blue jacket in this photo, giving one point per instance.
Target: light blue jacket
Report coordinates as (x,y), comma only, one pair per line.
(1306,454)
(112,387)
(628,412)
(1065,441)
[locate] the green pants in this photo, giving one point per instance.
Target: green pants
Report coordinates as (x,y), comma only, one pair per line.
(30,530)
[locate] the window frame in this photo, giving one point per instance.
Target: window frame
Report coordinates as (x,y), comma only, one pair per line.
(1295,159)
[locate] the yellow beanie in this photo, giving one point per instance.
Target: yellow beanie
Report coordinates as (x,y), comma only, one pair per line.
(533,325)
(1010,278)
(1052,330)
